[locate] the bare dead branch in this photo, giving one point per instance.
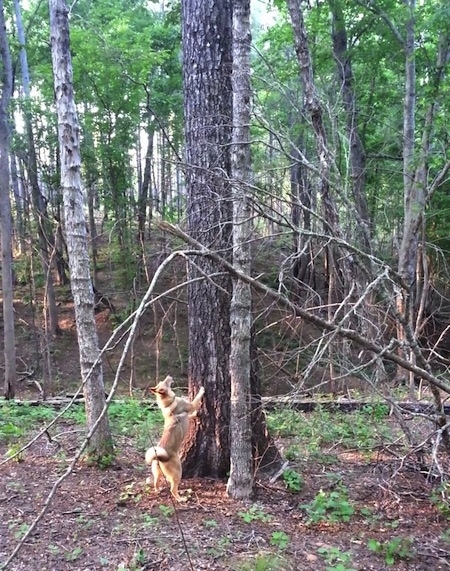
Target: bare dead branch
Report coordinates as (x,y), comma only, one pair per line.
(309,317)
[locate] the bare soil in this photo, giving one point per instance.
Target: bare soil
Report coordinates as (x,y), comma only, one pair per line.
(110,519)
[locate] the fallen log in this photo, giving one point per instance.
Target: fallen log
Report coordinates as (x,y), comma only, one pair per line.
(345,405)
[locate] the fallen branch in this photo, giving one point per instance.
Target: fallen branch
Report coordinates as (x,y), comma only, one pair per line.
(366,344)
(271,403)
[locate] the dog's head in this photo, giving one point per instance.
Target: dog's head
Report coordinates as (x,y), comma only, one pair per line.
(163,388)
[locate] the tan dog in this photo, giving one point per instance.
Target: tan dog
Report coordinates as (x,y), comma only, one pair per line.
(164,458)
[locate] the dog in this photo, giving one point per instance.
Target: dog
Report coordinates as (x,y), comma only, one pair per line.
(164,458)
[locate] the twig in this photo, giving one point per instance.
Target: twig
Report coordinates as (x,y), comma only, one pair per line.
(279,472)
(299,311)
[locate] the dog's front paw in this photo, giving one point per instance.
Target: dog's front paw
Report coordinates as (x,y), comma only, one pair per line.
(201,391)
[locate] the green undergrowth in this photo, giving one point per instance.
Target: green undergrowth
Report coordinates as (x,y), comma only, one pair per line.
(308,432)
(128,417)
(18,419)
(363,429)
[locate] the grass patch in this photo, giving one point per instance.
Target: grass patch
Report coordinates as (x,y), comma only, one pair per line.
(362,429)
(127,417)
(18,419)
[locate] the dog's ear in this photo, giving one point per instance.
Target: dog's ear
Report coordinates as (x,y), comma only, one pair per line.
(168,381)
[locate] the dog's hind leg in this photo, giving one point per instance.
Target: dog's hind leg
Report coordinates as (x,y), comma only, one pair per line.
(174,489)
(172,474)
(174,480)
(156,471)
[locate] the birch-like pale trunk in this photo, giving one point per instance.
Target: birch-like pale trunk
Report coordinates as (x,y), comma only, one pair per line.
(417,194)
(5,215)
(413,205)
(101,446)
(240,481)
(46,240)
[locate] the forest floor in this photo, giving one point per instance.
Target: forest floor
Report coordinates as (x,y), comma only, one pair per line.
(356,509)
(110,519)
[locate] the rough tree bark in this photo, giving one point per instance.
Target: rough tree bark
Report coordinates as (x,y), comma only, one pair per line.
(207,68)
(206,29)
(101,445)
(240,481)
(5,215)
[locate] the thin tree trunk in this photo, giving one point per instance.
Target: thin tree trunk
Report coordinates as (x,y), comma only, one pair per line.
(417,193)
(313,108)
(39,206)
(241,481)
(92,231)
(101,447)
(145,194)
(301,204)
(90,169)
(5,216)
(407,254)
(356,149)
(342,275)
(17,187)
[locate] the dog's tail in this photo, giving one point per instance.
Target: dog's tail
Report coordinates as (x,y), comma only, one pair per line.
(156,453)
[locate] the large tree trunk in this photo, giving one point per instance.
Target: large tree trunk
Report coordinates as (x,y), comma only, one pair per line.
(240,482)
(5,216)
(69,139)
(207,62)
(206,27)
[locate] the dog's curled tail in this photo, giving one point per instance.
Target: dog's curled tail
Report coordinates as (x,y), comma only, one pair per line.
(156,453)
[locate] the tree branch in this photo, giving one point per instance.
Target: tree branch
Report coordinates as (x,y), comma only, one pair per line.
(298,311)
